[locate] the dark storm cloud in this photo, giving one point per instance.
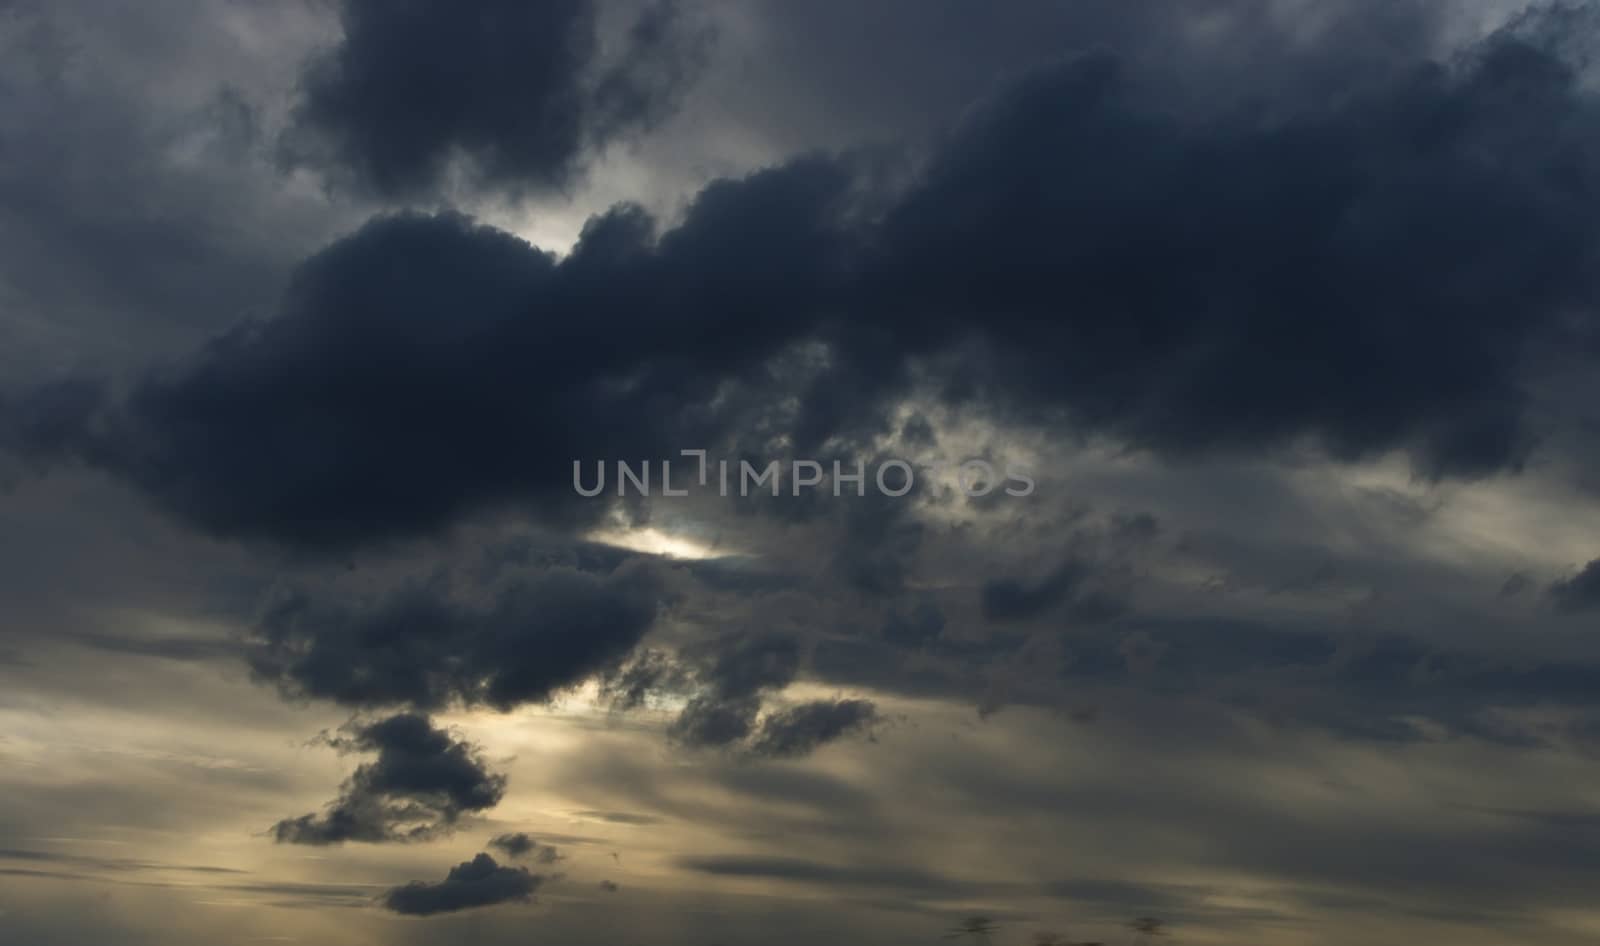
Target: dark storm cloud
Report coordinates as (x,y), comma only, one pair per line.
(480,882)
(421,784)
(425,368)
(798,731)
(1093,255)
(518,89)
(520,639)
(1216,284)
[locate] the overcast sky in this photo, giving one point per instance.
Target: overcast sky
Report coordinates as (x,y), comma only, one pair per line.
(1263,614)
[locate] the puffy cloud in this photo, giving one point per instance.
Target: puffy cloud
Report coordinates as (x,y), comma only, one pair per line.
(421,784)
(480,882)
(1078,251)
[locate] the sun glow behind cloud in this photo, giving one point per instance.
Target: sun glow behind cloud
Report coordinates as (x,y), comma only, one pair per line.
(653,541)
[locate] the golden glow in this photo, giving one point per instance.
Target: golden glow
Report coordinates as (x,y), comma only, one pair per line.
(652,541)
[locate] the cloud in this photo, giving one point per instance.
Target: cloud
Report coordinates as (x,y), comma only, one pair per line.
(520,639)
(727,680)
(422,783)
(730,674)
(215,229)
(520,91)
(1181,286)
(372,408)
(480,882)
(801,729)
(520,845)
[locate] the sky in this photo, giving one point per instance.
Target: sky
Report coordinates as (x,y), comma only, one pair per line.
(1182,529)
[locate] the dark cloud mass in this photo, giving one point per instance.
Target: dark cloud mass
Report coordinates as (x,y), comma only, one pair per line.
(480,882)
(517,89)
(1287,307)
(1245,281)
(421,784)
(431,643)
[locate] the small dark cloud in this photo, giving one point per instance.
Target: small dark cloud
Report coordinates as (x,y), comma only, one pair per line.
(522,845)
(709,722)
(480,882)
(800,730)
(421,784)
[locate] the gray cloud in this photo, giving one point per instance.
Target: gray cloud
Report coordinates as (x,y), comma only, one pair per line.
(799,730)
(524,637)
(523,845)
(421,785)
(518,90)
(480,882)
(319,403)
